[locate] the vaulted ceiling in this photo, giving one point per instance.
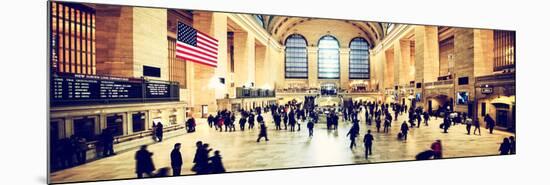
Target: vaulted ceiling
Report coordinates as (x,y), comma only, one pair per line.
(280,26)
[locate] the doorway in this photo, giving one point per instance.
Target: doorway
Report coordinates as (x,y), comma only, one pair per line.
(502,118)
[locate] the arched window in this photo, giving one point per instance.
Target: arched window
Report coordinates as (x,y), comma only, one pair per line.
(359,59)
(295,56)
(329,58)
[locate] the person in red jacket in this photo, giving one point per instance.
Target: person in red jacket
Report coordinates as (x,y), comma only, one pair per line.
(437,147)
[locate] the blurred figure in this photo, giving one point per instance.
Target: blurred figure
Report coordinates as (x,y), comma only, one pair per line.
(404,130)
(81,149)
(154,131)
(477,127)
(352,133)
(310,126)
(160,131)
(190,124)
(176,160)
(512,145)
(216,165)
(144,162)
(437,148)
(107,139)
(263,132)
(468,122)
(490,123)
(210,120)
(504,147)
(201,158)
(425,155)
(163,172)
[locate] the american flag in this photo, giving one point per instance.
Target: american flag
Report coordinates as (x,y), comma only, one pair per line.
(195,46)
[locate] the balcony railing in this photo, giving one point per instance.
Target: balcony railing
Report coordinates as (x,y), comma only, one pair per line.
(496,77)
(254,93)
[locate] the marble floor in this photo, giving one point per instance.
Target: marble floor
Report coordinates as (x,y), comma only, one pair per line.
(285,149)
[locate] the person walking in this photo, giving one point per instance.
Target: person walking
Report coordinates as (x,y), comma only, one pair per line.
(437,148)
(210,120)
(250,121)
(490,123)
(426,116)
(216,165)
(352,133)
(310,126)
(477,127)
(367,140)
(468,122)
(404,130)
(263,132)
(378,122)
(144,162)
(176,161)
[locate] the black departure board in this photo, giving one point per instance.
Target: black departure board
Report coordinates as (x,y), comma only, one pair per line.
(74,89)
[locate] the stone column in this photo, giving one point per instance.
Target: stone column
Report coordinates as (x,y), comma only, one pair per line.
(201,92)
(312,69)
(405,62)
(262,72)
(464,65)
(426,54)
(344,68)
(244,58)
(150,31)
(129,123)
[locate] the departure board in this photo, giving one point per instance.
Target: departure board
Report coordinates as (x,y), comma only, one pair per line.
(79,89)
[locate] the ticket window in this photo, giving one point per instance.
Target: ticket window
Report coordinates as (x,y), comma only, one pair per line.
(138,122)
(85,128)
(115,123)
(173,119)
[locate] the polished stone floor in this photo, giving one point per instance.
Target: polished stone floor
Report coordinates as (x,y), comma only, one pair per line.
(285,149)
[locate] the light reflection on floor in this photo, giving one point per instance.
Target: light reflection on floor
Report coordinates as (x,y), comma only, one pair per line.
(287,149)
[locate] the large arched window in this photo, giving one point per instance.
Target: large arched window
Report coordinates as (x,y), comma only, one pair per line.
(359,59)
(329,58)
(295,56)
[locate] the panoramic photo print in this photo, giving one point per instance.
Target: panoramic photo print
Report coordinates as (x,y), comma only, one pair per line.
(142,92)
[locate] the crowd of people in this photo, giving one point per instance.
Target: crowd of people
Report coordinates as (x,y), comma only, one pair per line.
(203,162)
(288,117)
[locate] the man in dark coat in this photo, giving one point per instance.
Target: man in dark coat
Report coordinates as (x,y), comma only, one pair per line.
(144,162)
(263,132)
(404,130)
(176,160)
(368,144)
